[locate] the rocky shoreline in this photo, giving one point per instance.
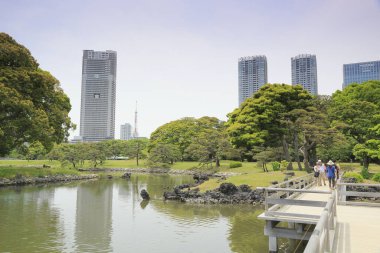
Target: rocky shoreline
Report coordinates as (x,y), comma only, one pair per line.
(21,180)
(161,171)
(227,193)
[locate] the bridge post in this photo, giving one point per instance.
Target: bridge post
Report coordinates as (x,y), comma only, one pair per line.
(273,245)
(327,229)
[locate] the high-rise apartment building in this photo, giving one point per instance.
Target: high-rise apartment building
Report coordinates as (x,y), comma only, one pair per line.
(126,131)
(360,72)
(252,75)
(97,120)
(304,72)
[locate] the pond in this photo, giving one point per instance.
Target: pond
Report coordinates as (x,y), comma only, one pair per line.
(110,216)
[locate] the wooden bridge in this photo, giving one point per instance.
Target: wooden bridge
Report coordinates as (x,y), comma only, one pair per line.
(299,210)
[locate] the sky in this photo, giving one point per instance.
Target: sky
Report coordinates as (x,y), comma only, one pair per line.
(179,58)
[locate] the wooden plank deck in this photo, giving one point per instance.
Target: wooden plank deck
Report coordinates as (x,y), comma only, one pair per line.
(287,210)
(357,229)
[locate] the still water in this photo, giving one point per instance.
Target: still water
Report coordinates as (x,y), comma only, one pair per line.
(110,216)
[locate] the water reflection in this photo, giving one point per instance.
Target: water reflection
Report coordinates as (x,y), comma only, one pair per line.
(110,216)
(28,221)
(93,230)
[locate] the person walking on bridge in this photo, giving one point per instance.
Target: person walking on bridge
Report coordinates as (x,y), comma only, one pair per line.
(331,170)
(322,173)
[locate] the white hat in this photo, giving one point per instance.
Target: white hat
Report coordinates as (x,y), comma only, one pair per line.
(330,163)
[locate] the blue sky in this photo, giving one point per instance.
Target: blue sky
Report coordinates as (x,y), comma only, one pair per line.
(178,58)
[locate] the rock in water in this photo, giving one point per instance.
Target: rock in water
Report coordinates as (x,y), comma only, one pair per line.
(144,194)
(126,175)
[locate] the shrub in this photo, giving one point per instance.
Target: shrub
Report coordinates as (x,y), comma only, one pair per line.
(376,177)
(235,165)
(357,176)
(365,173)
(284,165)
(276,166)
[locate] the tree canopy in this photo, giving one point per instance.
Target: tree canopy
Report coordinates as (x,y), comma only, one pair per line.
(203,139)
(33,107)
(263,119)
(355,111)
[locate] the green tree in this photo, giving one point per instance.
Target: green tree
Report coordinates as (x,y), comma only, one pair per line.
(33,107)
(202,139)
(260,120)
(35,151)
(266,155)
(355,111)
(96,153)
(308,128)
(114,148)
(210,145)
(179,132)
(165,153)
(136,148)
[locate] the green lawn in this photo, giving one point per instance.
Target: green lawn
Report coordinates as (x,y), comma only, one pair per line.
(31,163)
(251,174)
(373,168)
(13,171)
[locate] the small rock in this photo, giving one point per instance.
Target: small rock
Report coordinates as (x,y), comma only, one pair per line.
(126,175)
(200,177)
(109,176)
(144,194)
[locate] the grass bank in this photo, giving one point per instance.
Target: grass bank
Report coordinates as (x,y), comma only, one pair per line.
(250,173)
(13,171)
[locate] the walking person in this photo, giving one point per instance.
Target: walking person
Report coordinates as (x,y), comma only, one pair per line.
(322,173)
(317,175)
(331,171)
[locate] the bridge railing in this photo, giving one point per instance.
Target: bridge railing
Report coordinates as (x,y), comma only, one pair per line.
(296,183)
(285,193)
(358,190)
(322,237)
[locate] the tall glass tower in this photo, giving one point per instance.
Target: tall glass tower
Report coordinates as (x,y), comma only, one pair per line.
(304,72)
(252,75)
(126,131)
(360,72)
(97,121)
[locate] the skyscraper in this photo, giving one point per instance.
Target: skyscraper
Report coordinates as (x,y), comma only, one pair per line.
(126,131)
(304,72)
(97,120)
(252,75)
(360,72)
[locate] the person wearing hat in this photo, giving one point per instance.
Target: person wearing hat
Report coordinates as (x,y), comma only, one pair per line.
(330,171)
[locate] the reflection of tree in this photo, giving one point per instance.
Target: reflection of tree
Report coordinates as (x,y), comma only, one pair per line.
(29,223)
(155,184)
(247,233)
(158,184)
(94,216)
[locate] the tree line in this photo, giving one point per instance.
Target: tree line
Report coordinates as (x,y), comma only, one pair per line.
(278,123)
(287,122)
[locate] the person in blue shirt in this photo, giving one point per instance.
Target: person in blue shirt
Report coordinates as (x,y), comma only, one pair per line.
(330,171)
